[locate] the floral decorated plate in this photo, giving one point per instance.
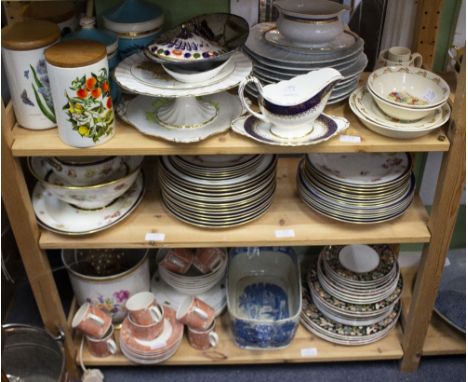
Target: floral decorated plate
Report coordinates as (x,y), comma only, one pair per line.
(325,128)
(140,112)
(63,218)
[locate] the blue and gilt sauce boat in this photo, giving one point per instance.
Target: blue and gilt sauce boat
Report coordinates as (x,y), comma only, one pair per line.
(292,106)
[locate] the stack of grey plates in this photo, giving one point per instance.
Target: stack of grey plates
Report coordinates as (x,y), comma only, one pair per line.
(276,59)
(357,187)
(218,191)
(352,294)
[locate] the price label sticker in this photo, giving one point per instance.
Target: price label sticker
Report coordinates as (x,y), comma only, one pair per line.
(155,236)
(429,95)
(350,138)
(309,352)
(283,233)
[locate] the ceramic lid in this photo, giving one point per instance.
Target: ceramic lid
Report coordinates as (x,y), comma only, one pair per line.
(133,16)
(75,53)
(27,35)
(185,46)
(88,31)
(54,11)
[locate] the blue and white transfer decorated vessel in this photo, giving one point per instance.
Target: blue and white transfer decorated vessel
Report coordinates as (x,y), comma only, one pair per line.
(292,106)
(264,296)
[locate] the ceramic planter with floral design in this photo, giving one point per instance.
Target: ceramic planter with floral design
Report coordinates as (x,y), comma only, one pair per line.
(109,292)
(79,79)
(23,46)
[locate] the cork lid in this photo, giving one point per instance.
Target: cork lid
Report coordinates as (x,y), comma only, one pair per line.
(75,53)
(54,11)
(27,35)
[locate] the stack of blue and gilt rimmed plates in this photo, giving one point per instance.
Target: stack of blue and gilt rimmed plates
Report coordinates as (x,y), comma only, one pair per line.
(276,59)
(351,294)
(218,191)
(357,187)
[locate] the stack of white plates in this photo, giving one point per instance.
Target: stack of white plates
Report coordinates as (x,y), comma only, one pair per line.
(357,187)
(168,296)
(363,105)
(276,59)
(193,282)
(352,296)
(153,351)
(218,191)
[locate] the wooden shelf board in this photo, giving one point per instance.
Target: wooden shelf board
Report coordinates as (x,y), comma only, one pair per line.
(227,353)
(441,338)
(129,141)
(286,212)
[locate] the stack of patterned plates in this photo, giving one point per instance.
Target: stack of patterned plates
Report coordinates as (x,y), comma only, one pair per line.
(276,59)
(153,351)
(218,191)
(358,187)
(193,282)
(352,296)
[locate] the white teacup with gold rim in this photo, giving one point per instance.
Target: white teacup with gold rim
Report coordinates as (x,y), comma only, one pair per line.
(398,55)
(292,106)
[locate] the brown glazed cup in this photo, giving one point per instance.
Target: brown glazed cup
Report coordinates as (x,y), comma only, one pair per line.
(92,321)
(144,310)
(177,260)
(203,339)
(195,313)
(145,332)
(102,347)
(208,259)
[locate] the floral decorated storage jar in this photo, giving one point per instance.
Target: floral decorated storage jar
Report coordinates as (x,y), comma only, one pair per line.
(136,22)
(23,46)
(61,13)
(79,80)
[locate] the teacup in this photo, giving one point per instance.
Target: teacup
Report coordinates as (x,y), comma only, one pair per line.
(292,106)
(203,339)
(85,171)
(145,332)
(195,313)
(208,259)
(102,347)
(92,321)
(177,260)
(143,309)
(398,55)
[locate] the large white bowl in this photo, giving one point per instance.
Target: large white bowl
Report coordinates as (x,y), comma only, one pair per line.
(430,89)
(309,9)
(86,197)
(193,76)
(401,112)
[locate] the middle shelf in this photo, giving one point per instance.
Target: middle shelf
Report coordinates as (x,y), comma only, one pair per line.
(287,212)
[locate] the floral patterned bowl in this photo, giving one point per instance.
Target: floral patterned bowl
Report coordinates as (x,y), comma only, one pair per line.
(129,275)
(87,197)
(201,43)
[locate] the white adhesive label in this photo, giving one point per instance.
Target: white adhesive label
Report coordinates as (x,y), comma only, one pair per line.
(282,233)
(350,138)
(429,95)
(447,262)
(152,236)
(309,352)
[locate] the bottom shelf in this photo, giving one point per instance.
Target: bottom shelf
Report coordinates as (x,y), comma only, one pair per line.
(228,353)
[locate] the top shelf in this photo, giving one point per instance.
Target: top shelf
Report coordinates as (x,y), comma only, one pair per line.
(129,141)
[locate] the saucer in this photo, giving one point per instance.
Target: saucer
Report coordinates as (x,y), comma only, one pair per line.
(140,113)
(345,40)
(63,218)
(325,128)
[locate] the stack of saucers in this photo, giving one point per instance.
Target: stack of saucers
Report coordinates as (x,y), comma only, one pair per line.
(154,351)
(352,296)
(276,58)
(357,187)
(218,191)
(193,282)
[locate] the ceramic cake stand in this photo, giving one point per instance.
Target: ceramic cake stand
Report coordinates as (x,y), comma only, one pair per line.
(184,114)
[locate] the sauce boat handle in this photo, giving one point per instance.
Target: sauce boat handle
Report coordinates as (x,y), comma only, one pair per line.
(246,106)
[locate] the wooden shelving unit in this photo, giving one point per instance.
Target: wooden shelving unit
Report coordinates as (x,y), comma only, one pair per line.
(420,334)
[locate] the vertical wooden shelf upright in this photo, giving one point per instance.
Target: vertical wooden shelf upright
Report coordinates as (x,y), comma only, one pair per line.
(440,225)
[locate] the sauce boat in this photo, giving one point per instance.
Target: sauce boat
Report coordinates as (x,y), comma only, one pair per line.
(292,106)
